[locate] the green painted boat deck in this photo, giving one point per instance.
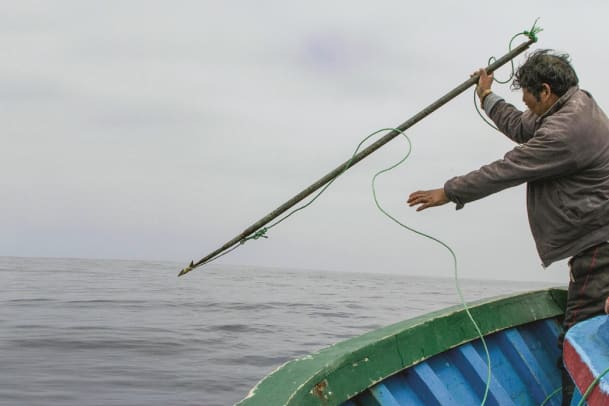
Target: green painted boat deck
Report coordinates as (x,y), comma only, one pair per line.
(339,372)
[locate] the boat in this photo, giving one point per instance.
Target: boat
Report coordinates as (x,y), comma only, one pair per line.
(586,359)
(436,359)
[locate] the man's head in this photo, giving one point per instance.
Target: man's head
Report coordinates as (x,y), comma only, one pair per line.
(544,77)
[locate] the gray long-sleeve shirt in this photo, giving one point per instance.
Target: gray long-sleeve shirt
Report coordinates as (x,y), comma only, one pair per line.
(563,156)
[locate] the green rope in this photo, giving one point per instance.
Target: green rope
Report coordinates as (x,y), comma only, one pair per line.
(586,393)
(452,253)
(530,34)
(584,396)
(258,234)
(261,233)
(551,395)
(327,185)
(591,387)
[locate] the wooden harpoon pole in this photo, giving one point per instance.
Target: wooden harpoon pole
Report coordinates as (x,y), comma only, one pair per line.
(361,155)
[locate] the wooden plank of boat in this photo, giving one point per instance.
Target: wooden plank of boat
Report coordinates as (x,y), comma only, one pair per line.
(586,358)
(436,359)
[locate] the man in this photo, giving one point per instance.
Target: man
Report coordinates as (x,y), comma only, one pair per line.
(563,156)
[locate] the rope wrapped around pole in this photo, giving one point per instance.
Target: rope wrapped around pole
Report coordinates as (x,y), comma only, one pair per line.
(255,230)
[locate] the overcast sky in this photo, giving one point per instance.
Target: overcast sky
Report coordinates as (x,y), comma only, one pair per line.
(160,130)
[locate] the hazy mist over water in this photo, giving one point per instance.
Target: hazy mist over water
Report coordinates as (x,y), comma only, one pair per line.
(109,332)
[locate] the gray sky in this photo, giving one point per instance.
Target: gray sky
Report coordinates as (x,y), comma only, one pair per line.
(160,130)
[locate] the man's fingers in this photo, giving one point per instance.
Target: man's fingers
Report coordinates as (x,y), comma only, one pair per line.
(413,196)
(417,198)
(478,72)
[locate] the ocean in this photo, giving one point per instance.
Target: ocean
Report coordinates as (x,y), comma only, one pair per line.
(114,332)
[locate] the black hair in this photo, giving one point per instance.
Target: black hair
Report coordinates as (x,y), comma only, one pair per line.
(545,66)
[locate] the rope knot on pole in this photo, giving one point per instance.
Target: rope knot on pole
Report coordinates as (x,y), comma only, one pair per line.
(532,33)
(258,234)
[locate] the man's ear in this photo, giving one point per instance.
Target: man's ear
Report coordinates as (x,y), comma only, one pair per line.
(546,90)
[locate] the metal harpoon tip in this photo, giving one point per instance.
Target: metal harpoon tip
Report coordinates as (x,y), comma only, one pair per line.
(187,269)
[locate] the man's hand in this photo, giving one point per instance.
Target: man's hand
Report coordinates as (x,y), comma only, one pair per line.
(427,198)
(484,83)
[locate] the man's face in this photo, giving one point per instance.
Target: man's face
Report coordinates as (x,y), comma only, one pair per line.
(541,105)
(531,102)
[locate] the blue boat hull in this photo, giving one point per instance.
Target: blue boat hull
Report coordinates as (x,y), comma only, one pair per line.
(523,365)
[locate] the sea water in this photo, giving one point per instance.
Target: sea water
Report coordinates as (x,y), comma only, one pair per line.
(110,332)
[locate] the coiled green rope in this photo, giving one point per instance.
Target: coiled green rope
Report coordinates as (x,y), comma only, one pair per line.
(532,35)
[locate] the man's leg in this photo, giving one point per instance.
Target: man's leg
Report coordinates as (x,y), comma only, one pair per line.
(588,290)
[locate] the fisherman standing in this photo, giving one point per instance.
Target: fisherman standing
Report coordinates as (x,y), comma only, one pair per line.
(563,156)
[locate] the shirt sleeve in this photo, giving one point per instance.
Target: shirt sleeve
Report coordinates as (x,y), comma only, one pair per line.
(516,125)
(490,101)
(545,156)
